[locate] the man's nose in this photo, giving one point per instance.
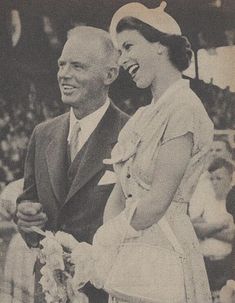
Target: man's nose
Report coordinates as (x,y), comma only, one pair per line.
(65,72)
(213,153)
(214,183)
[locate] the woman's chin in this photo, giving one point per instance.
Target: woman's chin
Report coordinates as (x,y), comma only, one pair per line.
(141,84)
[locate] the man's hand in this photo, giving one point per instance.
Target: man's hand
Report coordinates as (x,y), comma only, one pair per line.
(30,214)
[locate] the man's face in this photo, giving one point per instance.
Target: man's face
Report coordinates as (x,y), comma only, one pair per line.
(221,182)
(82,71)
(219,150)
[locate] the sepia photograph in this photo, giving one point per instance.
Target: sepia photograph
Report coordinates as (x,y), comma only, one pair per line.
(117,151)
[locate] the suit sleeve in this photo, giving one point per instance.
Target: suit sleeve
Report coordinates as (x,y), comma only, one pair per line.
(30,188)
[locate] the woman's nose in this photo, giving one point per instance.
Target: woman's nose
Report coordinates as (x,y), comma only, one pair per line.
(122,61)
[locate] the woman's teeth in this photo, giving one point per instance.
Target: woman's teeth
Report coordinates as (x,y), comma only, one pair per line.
(132,70)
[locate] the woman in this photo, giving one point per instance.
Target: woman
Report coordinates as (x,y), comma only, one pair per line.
(161,151)
(18,277)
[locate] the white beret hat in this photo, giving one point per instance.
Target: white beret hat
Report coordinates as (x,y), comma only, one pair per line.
(156,17)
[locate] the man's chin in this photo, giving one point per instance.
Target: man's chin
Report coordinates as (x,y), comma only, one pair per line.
(68,100)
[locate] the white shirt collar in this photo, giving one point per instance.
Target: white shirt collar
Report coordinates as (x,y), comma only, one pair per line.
(88,123)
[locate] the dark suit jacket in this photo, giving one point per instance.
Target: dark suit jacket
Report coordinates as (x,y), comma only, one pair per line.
(70,194)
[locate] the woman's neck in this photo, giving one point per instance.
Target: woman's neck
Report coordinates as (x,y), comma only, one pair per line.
(161,84)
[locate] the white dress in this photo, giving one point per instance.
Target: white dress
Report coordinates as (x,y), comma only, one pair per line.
(176,113)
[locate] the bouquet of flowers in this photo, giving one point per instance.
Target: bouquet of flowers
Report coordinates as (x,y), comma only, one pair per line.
(64,273)
(68,264)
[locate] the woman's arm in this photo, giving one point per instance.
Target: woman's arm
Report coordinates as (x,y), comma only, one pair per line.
(205,230)
(115,203)
(172,160)
(226,235)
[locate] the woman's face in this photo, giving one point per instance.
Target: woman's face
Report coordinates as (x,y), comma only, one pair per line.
(139,57)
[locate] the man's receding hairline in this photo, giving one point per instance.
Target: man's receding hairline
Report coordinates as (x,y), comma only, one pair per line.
(97,33)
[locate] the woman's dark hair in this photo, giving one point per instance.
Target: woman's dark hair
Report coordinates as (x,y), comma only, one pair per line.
(179,48)
(220,163)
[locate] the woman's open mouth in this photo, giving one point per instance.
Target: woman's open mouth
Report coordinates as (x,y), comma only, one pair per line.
(132,70)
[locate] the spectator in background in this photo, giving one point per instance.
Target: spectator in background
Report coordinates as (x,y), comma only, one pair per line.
(231,201)
(7,210)
(17,280)
(204,190)
(215,227)
(17,120)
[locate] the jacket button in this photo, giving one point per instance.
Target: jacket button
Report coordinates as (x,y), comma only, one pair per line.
(129,196)
(128,176)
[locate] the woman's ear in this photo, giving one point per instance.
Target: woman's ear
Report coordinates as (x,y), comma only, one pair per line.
(160,48)
(111,75)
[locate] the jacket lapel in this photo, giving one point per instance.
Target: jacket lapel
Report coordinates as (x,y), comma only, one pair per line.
(98,147)
(56,156)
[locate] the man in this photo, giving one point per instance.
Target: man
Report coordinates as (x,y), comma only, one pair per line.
(215,227)
(18,278)
(204,191)
(66,183)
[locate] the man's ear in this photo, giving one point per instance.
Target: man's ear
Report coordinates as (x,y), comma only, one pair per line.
(111,75)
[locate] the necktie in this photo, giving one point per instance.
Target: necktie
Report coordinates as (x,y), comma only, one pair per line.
(74,140)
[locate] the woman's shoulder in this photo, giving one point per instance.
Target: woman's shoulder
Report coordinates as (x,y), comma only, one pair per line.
(187,114)
(187,100)
(189,107)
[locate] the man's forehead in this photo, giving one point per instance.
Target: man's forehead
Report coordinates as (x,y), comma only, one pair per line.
(79,46)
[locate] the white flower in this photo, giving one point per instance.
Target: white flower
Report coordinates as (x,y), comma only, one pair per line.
(52,252)
(227,293)
(49,298)
(66,240)
(48,282)
(80,298)
(82,258)
(51,255)
(231,284)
